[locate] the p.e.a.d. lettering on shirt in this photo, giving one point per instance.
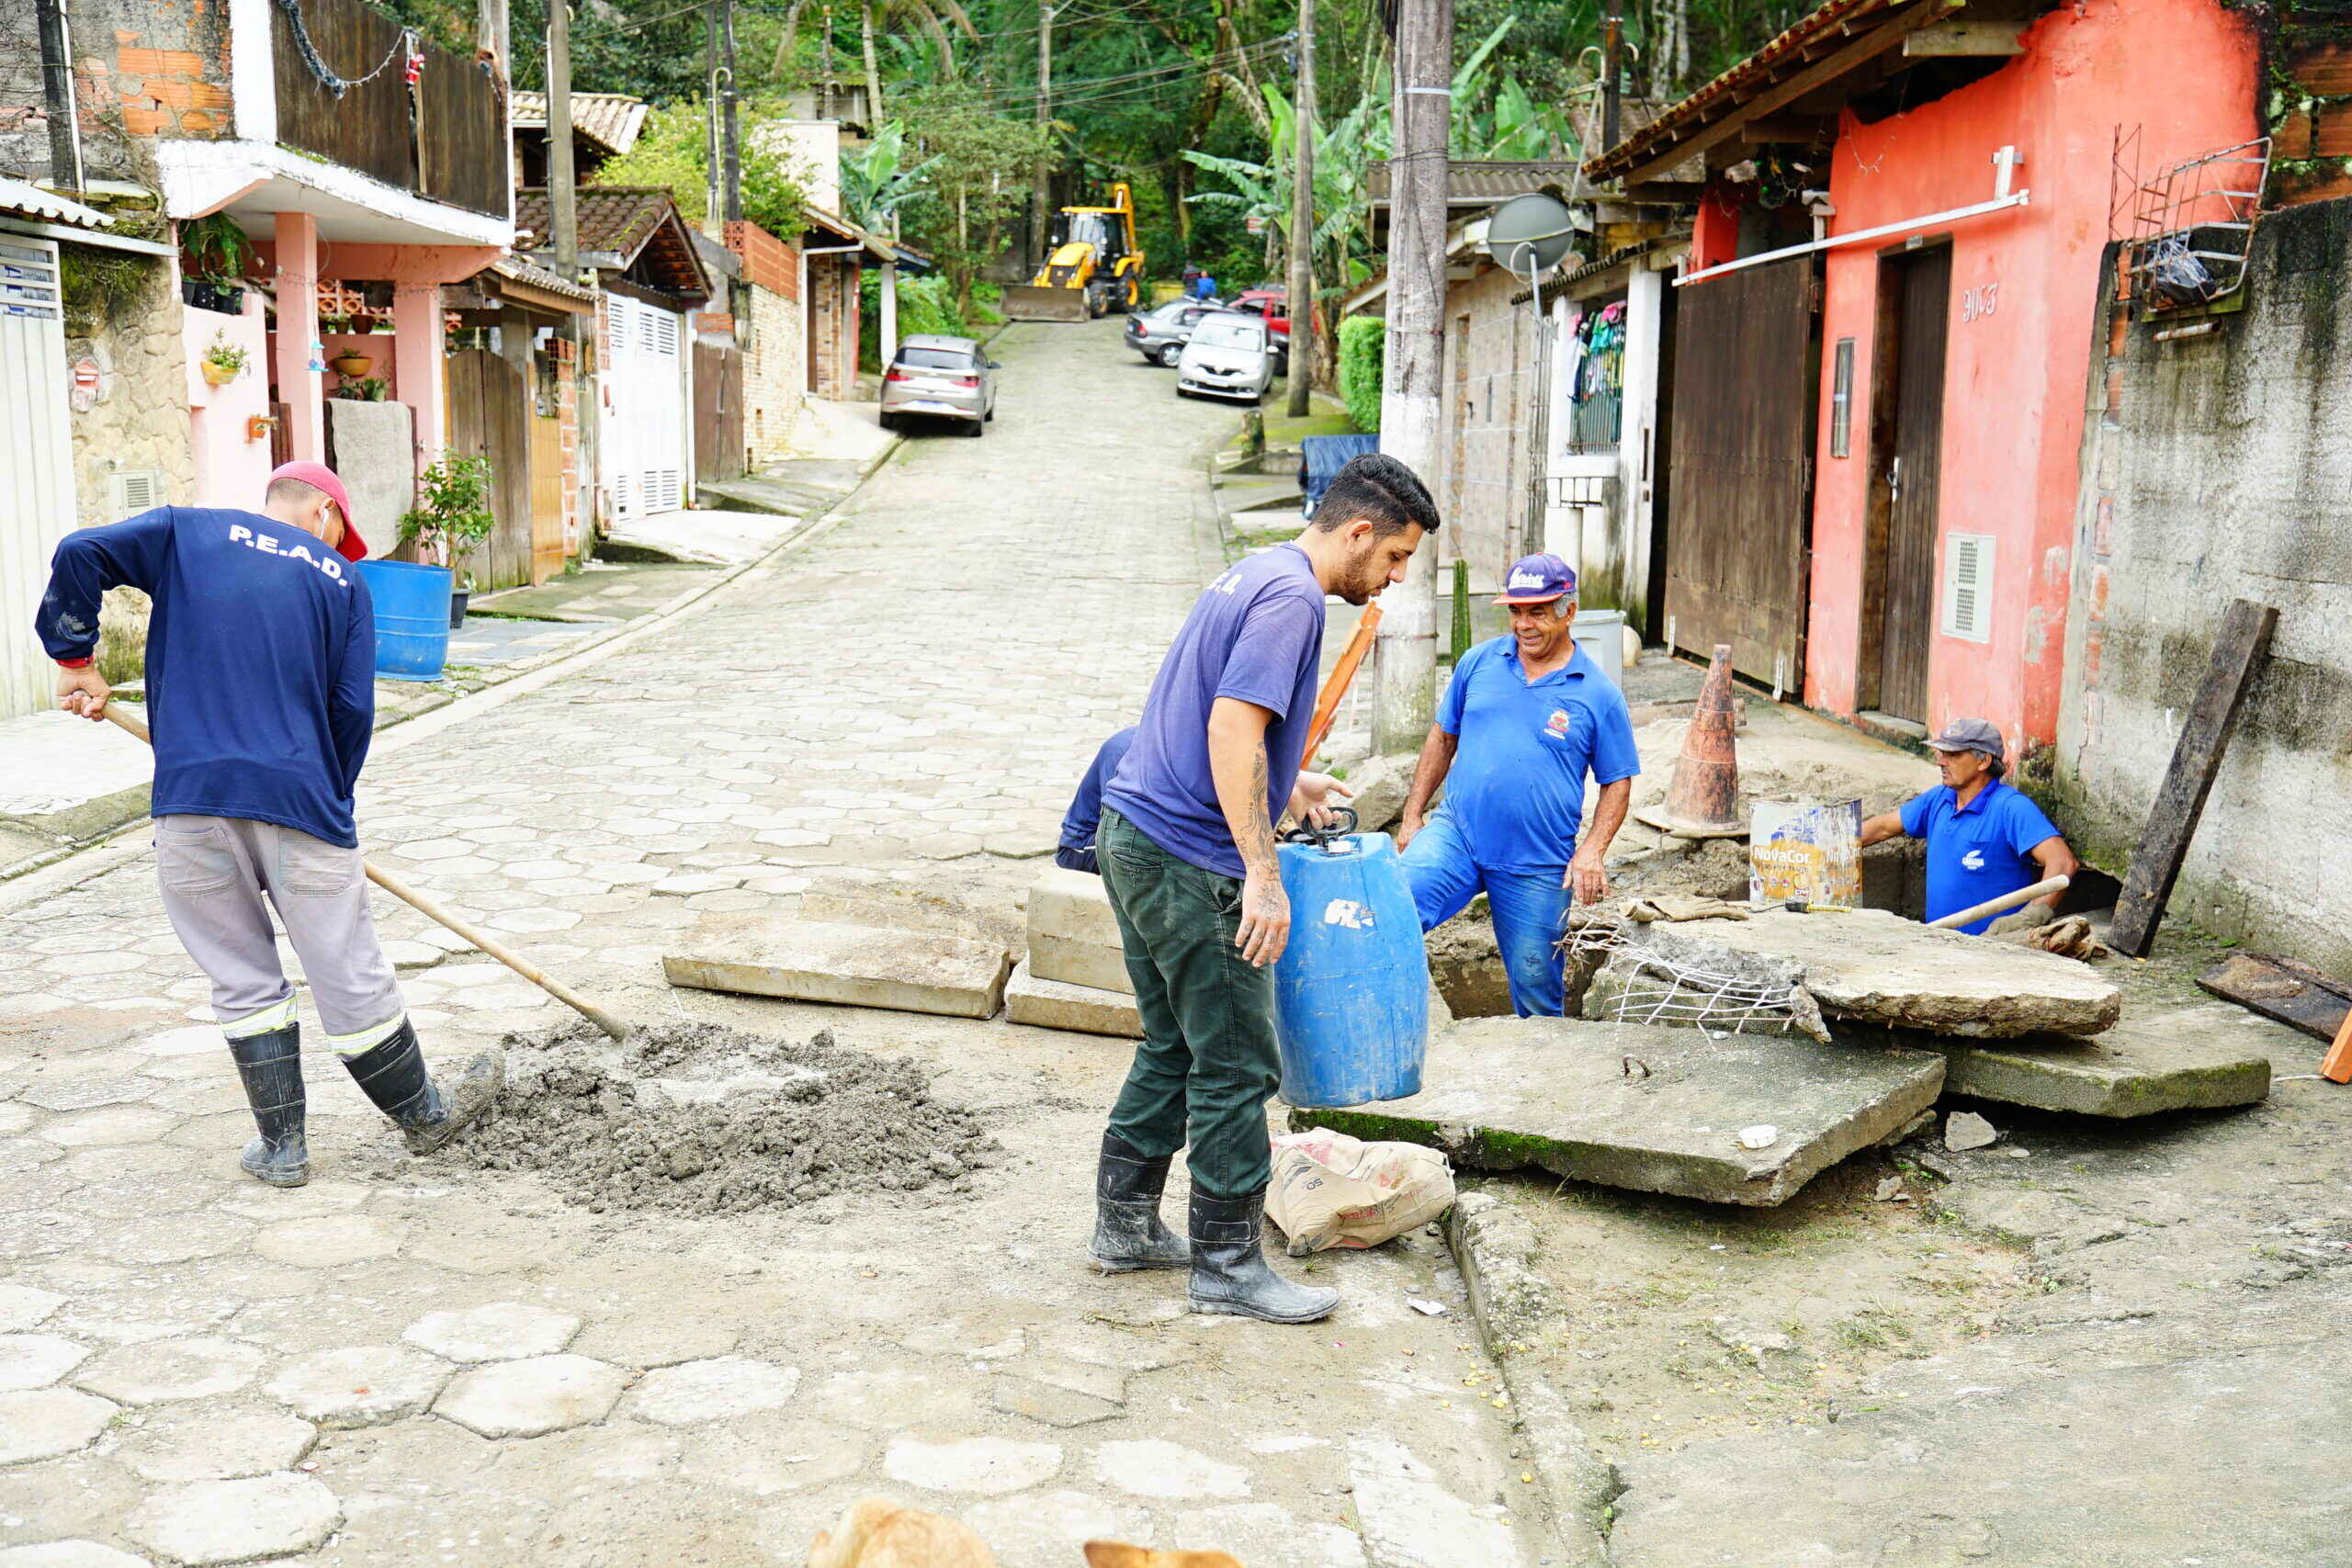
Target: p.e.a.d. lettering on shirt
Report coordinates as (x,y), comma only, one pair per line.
(240,535)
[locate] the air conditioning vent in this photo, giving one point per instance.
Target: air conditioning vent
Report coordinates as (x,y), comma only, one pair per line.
(134,490)
(1968,587)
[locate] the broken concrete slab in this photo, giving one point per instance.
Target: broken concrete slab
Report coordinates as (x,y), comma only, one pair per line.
(1876,967)
(811,961)
(1073,935)
(1056,1004)
(2203,1056)
(1655,1110)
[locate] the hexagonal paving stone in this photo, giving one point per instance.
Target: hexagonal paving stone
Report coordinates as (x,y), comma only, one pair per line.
(235,1521)
(83,1093)
(22,1307)
(502,1331)
(208,1443)
(68,1554)
(1153,1468)
(47,1422)
(988,1466)
(328,1243)
(36,1360)
(39,1233)
(361,1386)
(713,1390)
(172,1237)
(111,1128)
(163,1369)
(523,1399)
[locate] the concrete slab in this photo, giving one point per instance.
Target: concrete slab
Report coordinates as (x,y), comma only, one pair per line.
(2199,1057)
(1073,935)
(1055,1004)
(711,537)
(69,779)
(854,966)
(1655,1110)
(1876,967)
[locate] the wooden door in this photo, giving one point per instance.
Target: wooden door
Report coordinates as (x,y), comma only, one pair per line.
(1741,474)
(1911,463)
(718,411)
(489,416)
(547,498)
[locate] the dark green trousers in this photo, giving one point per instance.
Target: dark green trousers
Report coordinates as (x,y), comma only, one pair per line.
(1208,1063)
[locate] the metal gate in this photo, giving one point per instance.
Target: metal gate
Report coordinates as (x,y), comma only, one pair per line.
(1741,476)
(644,434)
(489,417)
(718,411)
(37,500)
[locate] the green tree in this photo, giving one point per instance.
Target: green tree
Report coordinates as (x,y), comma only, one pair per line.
(976,170)
(674,153)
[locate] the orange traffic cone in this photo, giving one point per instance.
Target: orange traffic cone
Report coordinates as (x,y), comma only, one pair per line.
(1703,802)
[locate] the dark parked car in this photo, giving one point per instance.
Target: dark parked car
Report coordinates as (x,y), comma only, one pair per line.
(1160,334)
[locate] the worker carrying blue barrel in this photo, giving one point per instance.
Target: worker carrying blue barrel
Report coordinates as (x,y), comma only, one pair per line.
(1524,721)
(1187,848)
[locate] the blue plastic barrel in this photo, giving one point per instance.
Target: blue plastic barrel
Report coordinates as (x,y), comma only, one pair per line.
(1352,990)
(412,617)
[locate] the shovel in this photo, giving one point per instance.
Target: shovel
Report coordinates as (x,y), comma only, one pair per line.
(439,915)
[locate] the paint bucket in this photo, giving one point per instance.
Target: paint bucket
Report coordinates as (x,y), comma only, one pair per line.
(412,617)
(1809,850)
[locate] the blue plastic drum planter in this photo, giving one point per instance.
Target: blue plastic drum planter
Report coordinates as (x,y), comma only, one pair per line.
(1352,990)
(412,617)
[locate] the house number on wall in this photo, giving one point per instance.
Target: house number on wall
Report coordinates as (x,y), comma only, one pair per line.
(1977,302)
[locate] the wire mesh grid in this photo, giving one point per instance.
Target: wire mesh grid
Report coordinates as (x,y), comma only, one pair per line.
(2188,229)
(1680,991)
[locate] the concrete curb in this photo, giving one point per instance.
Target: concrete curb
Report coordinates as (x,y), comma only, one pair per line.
(104,834)
(1494,1249)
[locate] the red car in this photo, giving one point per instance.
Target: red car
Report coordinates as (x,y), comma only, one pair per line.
(1274,304)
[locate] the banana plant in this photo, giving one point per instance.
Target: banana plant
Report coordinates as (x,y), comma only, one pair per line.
(874,184)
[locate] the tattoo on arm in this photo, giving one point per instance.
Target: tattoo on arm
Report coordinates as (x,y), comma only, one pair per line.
(1256,838)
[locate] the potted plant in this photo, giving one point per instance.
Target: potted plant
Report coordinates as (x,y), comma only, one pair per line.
(337,322)
(451,519)
(224,361)
(362,390)
(351,365)
(217,250)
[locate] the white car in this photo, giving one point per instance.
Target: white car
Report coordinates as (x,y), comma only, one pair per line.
(1228,357)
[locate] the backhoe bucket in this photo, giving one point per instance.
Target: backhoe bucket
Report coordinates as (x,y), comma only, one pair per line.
(1029,302)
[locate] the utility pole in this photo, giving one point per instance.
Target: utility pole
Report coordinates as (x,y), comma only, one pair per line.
(713,159)
(494,36)
(733,128)
(1422,113)
(1613,49)
(1038,195)
(1302,224)
(563,212)
(57,90)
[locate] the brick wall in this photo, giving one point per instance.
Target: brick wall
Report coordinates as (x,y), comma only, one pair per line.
(776,371)
(567,408)
(767,261)
(142,69)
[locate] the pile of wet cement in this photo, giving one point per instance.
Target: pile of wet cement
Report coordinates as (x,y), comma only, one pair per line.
(706,1120)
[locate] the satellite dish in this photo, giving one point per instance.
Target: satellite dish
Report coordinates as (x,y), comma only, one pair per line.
(1529,235)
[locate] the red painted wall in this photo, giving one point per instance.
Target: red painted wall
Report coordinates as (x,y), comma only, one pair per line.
(2015,374)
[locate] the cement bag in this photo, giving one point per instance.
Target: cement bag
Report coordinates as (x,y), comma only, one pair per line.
(1333,1190)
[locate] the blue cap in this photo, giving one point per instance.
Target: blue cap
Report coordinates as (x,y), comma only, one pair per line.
(1537,580)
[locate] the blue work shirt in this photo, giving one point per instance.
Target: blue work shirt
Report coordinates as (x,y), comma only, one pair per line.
(261,659)
(1979,851)
(1085,813)
(1516,789)
(1256,634)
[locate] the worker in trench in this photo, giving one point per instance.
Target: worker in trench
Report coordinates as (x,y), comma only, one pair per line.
(1527,718)
(1984,838)
(261,654)
(1083,821)
(1187,848)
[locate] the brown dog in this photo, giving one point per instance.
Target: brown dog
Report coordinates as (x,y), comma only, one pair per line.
(1110,1555)
(877,1533)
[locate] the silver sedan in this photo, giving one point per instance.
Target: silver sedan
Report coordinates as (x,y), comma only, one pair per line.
(940,378)
(1228,357)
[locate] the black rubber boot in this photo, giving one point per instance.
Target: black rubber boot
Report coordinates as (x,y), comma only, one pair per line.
(394,1075)
(1230,1270)
(1128,1234)
(271,1067)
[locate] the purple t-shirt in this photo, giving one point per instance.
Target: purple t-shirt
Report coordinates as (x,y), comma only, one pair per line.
(1257,636)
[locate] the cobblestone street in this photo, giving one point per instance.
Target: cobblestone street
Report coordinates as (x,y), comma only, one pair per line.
(416,1361)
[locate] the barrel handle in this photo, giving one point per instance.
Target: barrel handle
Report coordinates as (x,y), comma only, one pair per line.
(1303,834)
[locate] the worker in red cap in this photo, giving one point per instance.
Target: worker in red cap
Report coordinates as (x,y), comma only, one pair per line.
(261,652)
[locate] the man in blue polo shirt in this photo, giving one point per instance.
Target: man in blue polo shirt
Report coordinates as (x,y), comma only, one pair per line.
(1525,718)
(1984,838)
(1186,849)
(261,654)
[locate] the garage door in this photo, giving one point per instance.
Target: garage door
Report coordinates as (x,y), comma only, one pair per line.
(644,434)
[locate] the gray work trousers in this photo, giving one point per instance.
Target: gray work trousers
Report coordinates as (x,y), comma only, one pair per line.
(215,873)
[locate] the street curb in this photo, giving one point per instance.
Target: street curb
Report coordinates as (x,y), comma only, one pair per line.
(105,838)
(1494,1249)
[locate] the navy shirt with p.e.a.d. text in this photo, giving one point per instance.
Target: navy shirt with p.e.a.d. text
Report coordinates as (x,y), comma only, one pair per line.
(261,656)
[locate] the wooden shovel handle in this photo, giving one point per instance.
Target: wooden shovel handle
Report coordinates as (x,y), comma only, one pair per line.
(439,915)
(1326,705)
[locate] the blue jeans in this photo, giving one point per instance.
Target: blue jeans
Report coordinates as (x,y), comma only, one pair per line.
(1530,910)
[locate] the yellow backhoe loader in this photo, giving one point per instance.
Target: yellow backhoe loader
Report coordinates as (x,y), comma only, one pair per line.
(1092,265)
